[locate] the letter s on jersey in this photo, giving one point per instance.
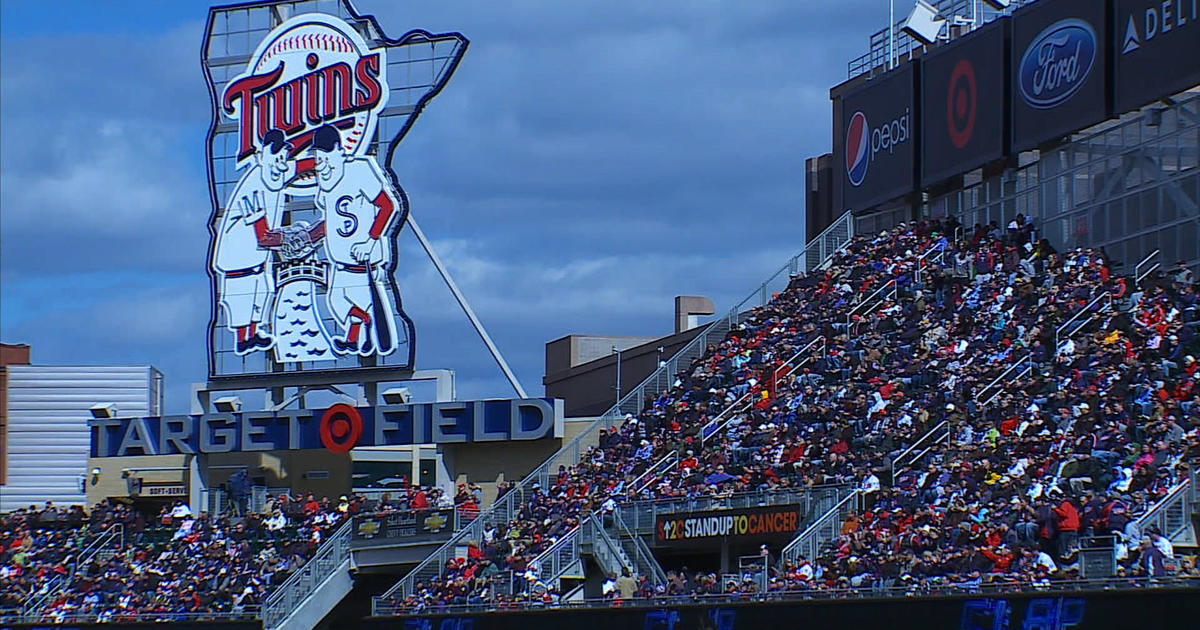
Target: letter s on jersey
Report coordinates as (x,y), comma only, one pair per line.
(350,221)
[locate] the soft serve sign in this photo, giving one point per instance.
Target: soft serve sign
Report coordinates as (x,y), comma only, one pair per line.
(1057,63)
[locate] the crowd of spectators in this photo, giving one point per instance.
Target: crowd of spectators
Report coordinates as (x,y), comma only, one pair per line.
(1065,391)
(920,325)
(176,564)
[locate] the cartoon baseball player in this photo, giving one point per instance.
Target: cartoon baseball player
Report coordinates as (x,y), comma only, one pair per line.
(242,255)
(358,208)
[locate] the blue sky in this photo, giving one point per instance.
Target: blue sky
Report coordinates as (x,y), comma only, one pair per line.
(588,162)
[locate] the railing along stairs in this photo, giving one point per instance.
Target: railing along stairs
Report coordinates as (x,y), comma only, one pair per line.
(293,604)
(889,291)
(1017,370)
(727,415)
(936,254)
(656,470)
(1145,267)
(824,530)
(635,548)
(561,560)
(1172,515)
(608,554)
(812,350)
(1099,305)
(102,547)
(939,434)
(816,253)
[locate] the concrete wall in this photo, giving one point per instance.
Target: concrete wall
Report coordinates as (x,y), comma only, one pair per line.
(588,389)
(48,408)
(10,354)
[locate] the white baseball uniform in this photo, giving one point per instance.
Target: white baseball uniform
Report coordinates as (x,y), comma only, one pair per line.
(350,216)
(246,282)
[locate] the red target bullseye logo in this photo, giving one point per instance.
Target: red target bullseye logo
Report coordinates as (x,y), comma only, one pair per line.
(961,103)
(341,426)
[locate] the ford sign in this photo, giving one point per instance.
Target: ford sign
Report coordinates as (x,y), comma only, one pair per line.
(1056,64)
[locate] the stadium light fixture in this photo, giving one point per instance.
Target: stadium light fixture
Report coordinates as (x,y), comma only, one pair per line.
(228,404)
(924,23)
(397,396)
(104,410)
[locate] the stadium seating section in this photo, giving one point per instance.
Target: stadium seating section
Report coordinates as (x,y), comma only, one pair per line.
(918,323)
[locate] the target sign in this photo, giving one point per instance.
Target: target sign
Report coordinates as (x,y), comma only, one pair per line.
(962,101)
(341,428)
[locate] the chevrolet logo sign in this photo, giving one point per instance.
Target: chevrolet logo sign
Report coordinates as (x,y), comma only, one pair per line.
(435,522)
(368,529)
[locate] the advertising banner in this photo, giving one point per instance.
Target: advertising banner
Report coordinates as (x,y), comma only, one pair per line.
(751,524)
(963,105)
(879,124)
(1058,70)
(338,428)
(1156,47)
(409,526)
(1093,609)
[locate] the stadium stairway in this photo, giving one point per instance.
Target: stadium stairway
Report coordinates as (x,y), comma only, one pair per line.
(823,530)
(102,546)
(1172,515)
(309,594)
(816,253)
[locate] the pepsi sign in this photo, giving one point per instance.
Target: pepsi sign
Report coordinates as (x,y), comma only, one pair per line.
(879,147)
(1059,70)
(1057,63)
(858,149)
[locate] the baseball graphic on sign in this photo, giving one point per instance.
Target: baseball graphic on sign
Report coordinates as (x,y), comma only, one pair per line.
(304,241)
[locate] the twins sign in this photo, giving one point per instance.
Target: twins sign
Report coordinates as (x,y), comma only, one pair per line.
(307,208)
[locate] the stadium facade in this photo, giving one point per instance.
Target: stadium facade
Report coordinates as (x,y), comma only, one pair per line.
(44,434)
(1058,111)
(1111,165)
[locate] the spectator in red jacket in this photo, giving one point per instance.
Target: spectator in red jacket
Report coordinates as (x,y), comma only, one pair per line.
(1068,525)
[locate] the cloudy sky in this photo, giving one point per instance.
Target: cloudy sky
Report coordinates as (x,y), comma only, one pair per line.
(589,161)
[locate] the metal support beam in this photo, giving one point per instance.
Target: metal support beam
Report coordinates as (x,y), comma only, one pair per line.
(466,307)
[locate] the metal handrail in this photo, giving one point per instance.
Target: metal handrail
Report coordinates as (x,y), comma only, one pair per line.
(115,532)
(1138,276)
(550,563)
(807,543)
(1176,503)
(941,253)
(1104,296)
(870,301)
(825,245)
(595,528)
(645,558)
(671,460)
(933,434)
(822,348)
(1026,360)
(114,618)
(324,564)
(721,420)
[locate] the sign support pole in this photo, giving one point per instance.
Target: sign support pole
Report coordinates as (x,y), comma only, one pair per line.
(466,307)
